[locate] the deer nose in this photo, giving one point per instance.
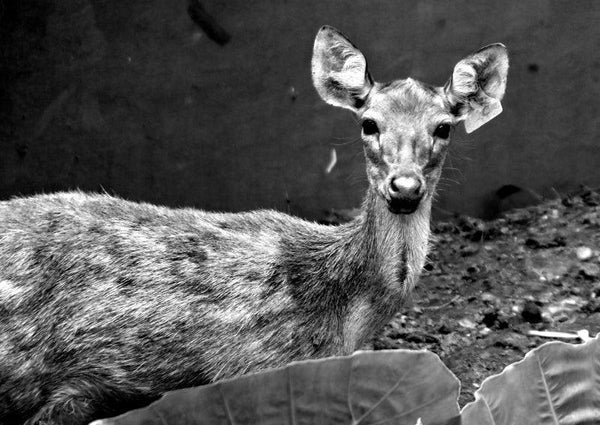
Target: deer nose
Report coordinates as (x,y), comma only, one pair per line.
(406,186)
(405,193)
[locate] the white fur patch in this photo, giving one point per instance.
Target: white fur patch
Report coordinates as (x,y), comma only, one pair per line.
(9,292)
(234,316)
(4,346)
(355,323)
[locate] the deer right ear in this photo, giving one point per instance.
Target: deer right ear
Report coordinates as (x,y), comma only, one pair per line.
(339,70)
(477,86)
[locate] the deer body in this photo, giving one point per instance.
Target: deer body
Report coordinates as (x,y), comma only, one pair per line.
(106,304)
(100,293)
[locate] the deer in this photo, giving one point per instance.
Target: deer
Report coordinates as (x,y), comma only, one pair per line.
(106,304)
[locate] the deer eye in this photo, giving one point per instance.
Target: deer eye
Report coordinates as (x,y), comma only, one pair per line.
(442,131)
(369,127)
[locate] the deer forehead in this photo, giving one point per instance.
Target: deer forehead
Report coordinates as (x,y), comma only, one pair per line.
(406,104)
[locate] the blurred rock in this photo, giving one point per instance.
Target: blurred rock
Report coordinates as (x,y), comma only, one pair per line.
(511,340)
(490,317)
(472,228)
(467,323)
(421,337)
(584,253)
(571,201)
(502,321)
(564,307)
(591,198)
(489,298)
(468,224)
(468,250)
(590,219)
(518,217)
(485,331)
(541,241)
(592,306)
(385,343)
(415,336)
(589,271)
(531,312)
(444,329)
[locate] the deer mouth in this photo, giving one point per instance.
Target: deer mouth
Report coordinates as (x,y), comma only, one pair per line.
(403,206)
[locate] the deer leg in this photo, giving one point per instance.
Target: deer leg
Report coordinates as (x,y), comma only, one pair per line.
(63,409)
(80,402)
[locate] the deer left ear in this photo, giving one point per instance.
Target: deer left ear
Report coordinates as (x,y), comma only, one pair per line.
(339,70)
(477,86)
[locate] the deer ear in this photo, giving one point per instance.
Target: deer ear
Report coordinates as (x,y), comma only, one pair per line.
(339,70)
(477,86)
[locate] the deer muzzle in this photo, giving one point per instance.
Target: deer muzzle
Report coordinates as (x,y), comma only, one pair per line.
(405,192)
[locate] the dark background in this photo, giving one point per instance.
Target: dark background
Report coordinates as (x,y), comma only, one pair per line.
(135,98)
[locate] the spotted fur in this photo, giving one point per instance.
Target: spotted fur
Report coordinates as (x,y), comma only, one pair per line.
(105,304)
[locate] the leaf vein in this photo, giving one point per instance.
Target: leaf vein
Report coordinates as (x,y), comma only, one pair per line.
(385,396)
(227,410)
(547,390)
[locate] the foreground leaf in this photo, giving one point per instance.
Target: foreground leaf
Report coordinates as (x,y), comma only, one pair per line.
(368,388)
(557,383)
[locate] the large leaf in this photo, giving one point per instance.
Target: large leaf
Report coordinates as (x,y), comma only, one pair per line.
(557,383)
(376,388)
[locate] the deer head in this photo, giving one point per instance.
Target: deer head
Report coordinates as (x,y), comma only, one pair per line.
(407,125)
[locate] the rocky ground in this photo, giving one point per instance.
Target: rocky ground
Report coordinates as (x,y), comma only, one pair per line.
(488,283)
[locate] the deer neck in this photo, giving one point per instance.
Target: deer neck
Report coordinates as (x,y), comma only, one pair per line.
(361,275)
(399,242)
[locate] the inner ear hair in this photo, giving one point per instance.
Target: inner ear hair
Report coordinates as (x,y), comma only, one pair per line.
(479,75)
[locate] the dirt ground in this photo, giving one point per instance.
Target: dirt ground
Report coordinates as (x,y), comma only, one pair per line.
(488,283)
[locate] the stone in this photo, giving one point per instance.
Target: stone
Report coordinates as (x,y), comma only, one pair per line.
(467,323)
(589,271)
(531,312)
(584,253)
